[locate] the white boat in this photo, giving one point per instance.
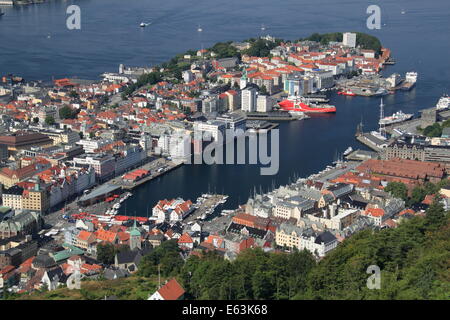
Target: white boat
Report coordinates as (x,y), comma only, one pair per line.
(199,29)
(410,81)
(348,151)
(398,116)
(378,135)
(443,103)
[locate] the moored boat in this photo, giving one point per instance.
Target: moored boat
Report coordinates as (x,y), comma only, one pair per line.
(295,104)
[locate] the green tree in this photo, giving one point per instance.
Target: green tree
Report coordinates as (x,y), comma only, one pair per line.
(435,215)
(417,195)
(49,120)
(397,190)
(106,253)
(434,130)
(263,90)
(66,112)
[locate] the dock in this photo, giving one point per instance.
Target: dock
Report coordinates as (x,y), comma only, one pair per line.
(371,141)
(167,167)
(362,155)
(212,201)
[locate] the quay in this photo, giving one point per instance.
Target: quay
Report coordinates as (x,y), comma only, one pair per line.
(272,116)
(206,207)
(361,155)
(371,141)
(258,125)
(157,168)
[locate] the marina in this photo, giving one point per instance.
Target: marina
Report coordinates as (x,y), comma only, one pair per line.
(205,206)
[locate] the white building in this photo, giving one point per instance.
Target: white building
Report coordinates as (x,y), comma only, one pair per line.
(128,158)
(263,103)
(349,39)
(180,147)
(210,104)
(89,146)
(214,128)
(248,101)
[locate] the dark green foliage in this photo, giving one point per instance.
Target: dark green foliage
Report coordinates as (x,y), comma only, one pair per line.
(106,253)
(253,275)
(413,265)
(263,90)
(364,40)
(225,50)
(260,48)
(417,195)
(67,112)
(397,190)
(434,130)
(145,79)
(49,120)
(167,256)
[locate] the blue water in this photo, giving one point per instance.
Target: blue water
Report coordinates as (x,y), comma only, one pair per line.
(35,44)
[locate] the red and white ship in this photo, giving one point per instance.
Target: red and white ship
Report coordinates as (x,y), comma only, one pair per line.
(296,104)
(347,93)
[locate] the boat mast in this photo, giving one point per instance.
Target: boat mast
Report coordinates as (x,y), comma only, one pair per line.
(382,129)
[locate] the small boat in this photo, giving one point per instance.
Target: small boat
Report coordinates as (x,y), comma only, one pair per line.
(143,25)
(263,27)
(199,29)
(348,151)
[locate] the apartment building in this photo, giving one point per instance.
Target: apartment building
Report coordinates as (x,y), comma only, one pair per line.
(291,236)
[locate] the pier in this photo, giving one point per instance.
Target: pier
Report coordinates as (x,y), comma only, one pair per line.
(206,207)
(371,141)
(157,169)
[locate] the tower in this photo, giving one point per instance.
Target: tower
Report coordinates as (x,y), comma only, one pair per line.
(382,130)
(135,237)
(243,82)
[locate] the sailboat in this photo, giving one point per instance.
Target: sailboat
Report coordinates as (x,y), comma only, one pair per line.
(199,29)
(263,27)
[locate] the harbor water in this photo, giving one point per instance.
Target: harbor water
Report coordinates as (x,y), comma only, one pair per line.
(35,44)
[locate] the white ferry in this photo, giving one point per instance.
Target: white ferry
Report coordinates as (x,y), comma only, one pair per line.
(398,116)
(443,103)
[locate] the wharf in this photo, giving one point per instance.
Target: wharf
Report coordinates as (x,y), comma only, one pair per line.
(272,115)
(371,141)
(258,125)
(165,168)
(362,155)
(211,202)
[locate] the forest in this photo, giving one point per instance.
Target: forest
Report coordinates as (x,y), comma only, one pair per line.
(414,260)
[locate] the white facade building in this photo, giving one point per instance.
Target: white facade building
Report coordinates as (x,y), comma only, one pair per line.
(248,101)
(349,39)
(263,103)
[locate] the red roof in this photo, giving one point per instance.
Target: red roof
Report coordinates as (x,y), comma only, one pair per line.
(172,290)
(375,212)
(185,238)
